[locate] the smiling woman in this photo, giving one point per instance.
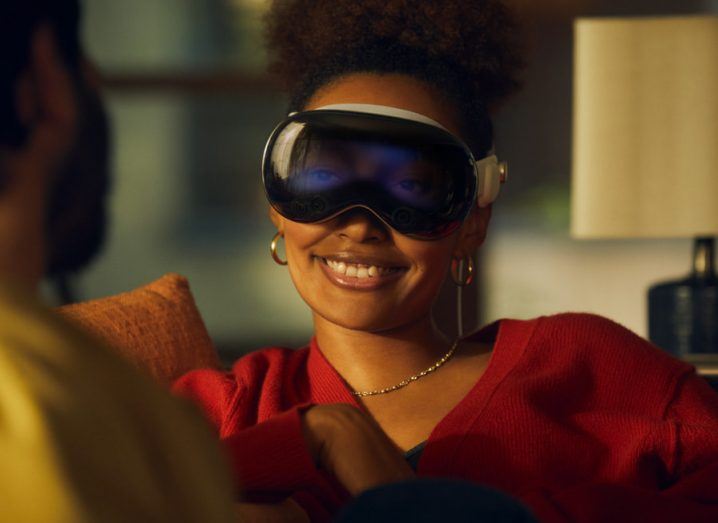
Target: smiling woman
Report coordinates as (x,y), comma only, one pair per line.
(379,181)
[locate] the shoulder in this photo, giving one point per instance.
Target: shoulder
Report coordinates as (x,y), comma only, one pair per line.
(590,336)
(52,349)
(593,337)
(29,330)
(68,392)
(580,335)
(49,354)
(577,351)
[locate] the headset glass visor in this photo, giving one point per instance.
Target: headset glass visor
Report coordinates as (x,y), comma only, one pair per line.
(417,178)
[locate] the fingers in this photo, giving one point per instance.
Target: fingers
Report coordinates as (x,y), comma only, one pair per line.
(351,445)
(369,460)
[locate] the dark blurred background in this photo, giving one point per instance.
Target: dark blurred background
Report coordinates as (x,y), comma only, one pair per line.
(192,106)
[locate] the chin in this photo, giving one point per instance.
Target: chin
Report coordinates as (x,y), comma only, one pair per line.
(359,324)
(370,319)
(376,311)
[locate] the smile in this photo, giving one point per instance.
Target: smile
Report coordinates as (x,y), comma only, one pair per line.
(359,274)
(358,270)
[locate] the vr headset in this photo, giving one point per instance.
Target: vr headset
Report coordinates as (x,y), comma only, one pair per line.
(405,168)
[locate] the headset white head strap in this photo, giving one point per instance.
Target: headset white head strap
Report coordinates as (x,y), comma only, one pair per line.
(383,110)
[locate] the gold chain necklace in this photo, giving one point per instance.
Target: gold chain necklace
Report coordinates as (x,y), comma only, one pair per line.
(411,379)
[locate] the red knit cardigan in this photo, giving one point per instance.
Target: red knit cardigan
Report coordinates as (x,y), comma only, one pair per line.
(575,415)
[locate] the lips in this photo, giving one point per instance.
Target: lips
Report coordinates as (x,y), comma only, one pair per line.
(363,272)
(359,270)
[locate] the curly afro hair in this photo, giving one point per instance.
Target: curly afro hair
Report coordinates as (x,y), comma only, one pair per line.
(467,49)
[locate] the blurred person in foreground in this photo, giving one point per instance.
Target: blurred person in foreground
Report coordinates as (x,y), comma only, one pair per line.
(82,436)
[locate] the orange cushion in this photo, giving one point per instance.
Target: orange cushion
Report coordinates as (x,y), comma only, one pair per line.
(157,327)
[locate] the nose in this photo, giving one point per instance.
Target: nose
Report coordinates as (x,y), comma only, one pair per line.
(361,226)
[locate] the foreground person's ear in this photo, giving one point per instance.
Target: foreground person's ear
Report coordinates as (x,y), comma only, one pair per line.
(45,102)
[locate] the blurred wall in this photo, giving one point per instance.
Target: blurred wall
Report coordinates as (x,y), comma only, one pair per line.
(187,195)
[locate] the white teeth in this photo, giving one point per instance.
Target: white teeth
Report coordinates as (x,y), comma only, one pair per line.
(356,271)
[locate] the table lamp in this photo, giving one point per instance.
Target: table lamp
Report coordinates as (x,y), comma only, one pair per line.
(645,156)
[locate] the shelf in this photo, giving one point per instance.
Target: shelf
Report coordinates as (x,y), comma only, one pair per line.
(210,82)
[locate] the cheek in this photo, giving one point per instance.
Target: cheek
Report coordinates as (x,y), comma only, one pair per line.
(299,242)
(431,261)
(431,258)
(299,238)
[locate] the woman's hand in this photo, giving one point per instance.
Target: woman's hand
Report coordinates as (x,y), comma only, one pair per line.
(349,444)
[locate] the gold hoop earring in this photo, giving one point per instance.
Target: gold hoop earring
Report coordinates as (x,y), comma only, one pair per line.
(468,276)
(273,249)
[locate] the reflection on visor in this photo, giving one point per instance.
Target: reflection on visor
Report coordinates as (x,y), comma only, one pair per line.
(409,175)
(418,179)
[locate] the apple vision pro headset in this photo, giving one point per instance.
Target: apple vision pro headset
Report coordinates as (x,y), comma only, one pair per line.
(405,168)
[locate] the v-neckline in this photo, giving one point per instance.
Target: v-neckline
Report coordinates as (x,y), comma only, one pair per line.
(509,337)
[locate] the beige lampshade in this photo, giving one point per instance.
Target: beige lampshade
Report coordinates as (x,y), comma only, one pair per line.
(645,137)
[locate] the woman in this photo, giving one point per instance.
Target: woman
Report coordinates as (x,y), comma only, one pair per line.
(381,185)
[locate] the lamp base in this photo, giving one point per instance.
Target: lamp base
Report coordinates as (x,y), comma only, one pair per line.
(683,316)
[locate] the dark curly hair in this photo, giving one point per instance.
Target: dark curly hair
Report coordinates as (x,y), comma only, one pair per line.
(467,49)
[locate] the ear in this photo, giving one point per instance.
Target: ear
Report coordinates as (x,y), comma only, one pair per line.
(473,232)
(45,102)
(277,219)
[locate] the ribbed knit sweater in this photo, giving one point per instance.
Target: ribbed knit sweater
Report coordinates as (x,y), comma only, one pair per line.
(576,416)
